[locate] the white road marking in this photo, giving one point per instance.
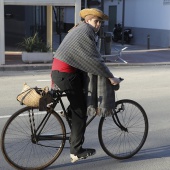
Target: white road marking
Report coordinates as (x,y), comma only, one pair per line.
(2,117)
(7,116)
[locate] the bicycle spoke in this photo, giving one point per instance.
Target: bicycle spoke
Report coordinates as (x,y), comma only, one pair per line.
(20,144)
(125,138)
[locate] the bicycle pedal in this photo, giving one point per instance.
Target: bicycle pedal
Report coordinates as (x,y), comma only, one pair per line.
(62,114)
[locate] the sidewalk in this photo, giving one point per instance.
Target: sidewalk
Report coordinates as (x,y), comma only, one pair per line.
(133,55)
(140,55)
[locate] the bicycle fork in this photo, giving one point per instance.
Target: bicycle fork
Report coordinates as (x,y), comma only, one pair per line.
(116,118)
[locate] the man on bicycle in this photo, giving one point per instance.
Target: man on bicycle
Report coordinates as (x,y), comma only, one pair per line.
(78,70)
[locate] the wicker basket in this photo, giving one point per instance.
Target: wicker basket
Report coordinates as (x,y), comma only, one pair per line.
(30,96)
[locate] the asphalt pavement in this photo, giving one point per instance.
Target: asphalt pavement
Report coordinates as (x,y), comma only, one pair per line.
(133,55)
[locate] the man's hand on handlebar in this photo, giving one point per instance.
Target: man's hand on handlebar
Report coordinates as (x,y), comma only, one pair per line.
(115,80)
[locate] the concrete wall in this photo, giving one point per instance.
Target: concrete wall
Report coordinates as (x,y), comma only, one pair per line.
(149,17)
(147,14)
(145,17)
(158,37)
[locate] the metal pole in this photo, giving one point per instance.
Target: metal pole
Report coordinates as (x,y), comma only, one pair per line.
(2,33)
(148,41)
(123,18)
(85,3)
(49,26)
(101,41)
(59,20)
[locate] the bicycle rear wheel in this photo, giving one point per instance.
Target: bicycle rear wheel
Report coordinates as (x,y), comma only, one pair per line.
(123,142)
(23,151)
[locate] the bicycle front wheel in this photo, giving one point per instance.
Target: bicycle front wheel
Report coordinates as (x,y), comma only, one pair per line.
(24,148)
(122,135)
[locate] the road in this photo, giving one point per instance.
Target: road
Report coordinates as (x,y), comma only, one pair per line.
(148,85)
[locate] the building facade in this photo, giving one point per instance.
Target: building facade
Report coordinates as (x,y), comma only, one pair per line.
(23,16)
(147,19)
(144,17)
(25,20)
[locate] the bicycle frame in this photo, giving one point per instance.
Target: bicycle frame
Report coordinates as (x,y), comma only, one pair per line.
(36,133)
(59,96)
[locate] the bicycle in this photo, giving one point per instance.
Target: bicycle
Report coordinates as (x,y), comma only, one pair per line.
(33,139)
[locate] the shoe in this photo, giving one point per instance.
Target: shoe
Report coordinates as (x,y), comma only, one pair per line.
(82,155)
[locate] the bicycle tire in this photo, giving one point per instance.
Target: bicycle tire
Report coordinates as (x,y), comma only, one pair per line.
(120,144)
(18,148)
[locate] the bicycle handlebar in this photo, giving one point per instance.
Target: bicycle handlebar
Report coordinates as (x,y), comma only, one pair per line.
(121,79)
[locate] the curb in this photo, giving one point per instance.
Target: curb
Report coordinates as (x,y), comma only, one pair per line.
(25,68)
(48,66)
(145,50)
(137,64)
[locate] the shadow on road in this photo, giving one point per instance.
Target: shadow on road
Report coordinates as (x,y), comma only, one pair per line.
(144,154)
(151,153)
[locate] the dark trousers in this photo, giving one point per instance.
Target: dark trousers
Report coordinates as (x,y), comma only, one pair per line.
(72,85)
